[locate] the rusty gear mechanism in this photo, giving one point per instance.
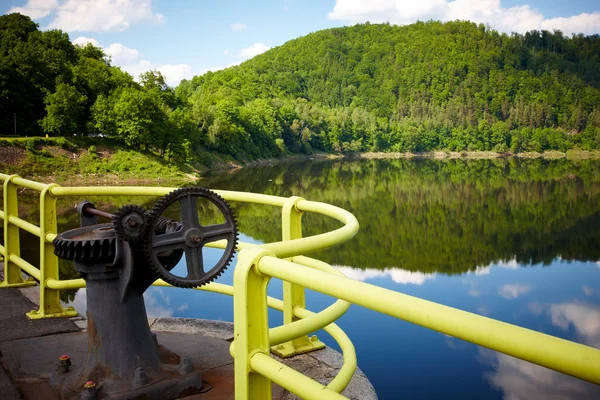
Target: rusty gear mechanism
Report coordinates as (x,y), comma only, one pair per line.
(188,236)
(129,223)
(86,244)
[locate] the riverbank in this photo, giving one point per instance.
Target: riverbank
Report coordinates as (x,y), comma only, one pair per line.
(98,161)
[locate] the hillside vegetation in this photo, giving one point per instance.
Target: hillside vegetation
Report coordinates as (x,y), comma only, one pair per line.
(453,86)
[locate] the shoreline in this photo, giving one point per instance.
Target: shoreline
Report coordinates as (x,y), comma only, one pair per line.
(194,176)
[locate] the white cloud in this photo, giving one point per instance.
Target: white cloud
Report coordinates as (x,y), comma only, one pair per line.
(238,26)
(131,61)
(513,19)
(398,275)
(513,291)
(122,55)
(36,8)
(587,290)
(226,52)
(254,50)
(82,41)
(91,15)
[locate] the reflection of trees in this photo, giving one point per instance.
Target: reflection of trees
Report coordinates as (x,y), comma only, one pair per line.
(445,216)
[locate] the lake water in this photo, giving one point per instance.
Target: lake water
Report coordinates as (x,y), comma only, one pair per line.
(516,240)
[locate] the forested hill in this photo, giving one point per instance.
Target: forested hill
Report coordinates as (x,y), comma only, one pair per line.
(427,86)
(455,86)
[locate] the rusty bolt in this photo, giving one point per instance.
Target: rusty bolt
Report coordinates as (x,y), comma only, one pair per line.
(185,365)
(89,391)
(64,364)
(196,239)
(139,377)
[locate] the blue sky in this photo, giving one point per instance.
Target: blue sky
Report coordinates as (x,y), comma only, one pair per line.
(183,38)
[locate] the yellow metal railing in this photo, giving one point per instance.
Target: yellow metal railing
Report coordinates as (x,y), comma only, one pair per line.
(254,341)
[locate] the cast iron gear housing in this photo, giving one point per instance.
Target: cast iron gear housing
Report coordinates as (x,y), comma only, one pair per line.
(129,222)
(88,244)
(189,236)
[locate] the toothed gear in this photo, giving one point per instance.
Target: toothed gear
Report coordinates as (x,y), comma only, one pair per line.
(189,237)
(95,243)
(129,222)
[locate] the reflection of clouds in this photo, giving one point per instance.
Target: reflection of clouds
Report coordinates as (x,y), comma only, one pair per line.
(584,318)
(520,379)
(183,307)
(483,310)
(513,291)
(398,275)
(80,302)
(587,290)
(510,264)
(153,297)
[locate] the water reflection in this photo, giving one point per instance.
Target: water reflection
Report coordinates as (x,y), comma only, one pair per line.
(520,379)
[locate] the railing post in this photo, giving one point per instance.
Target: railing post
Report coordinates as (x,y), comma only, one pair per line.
(12,273)
(250,325)
(49,298)
(293,295)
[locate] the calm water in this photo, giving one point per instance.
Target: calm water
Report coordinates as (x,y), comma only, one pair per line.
(515,240)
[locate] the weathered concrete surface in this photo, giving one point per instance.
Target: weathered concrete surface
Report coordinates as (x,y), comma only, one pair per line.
(29,351)
(322,365)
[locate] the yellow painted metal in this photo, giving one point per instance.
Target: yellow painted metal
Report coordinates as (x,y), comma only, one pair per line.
(291,379)
(12,272)
(346,372)
(250,325)
(558,354)
(322,241)
(37,186)
(25,266)
(50,305)
(293,295)
(66,284)
(26,226)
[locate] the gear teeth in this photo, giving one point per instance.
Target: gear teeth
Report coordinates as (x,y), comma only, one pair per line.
(67,246)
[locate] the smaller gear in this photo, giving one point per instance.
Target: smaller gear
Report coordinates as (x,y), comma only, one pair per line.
(129,222)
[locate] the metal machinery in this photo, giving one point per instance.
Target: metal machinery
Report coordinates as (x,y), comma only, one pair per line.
(119,261)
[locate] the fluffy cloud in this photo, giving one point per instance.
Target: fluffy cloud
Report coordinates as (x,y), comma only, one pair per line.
(130,60)
(91,15)
(82,41)
(512,19)
(238,26)
(36,8)
(254,50)
(513,291)
(398,275)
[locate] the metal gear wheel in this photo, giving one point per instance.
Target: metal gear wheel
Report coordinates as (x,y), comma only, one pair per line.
(95,243)
(129,222)
(189,237)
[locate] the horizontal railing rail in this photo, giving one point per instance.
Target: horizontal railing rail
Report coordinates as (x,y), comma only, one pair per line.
(285,260)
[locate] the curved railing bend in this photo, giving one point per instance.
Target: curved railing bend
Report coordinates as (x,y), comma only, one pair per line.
(254,341)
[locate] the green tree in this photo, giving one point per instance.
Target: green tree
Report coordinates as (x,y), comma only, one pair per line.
(64,109)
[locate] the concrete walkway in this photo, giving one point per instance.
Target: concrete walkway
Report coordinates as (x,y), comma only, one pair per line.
(29,350)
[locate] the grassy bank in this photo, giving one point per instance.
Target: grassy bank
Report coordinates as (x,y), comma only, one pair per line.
(81,160)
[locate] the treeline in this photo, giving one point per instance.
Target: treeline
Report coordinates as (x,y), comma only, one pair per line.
(50,86)
(427,86)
